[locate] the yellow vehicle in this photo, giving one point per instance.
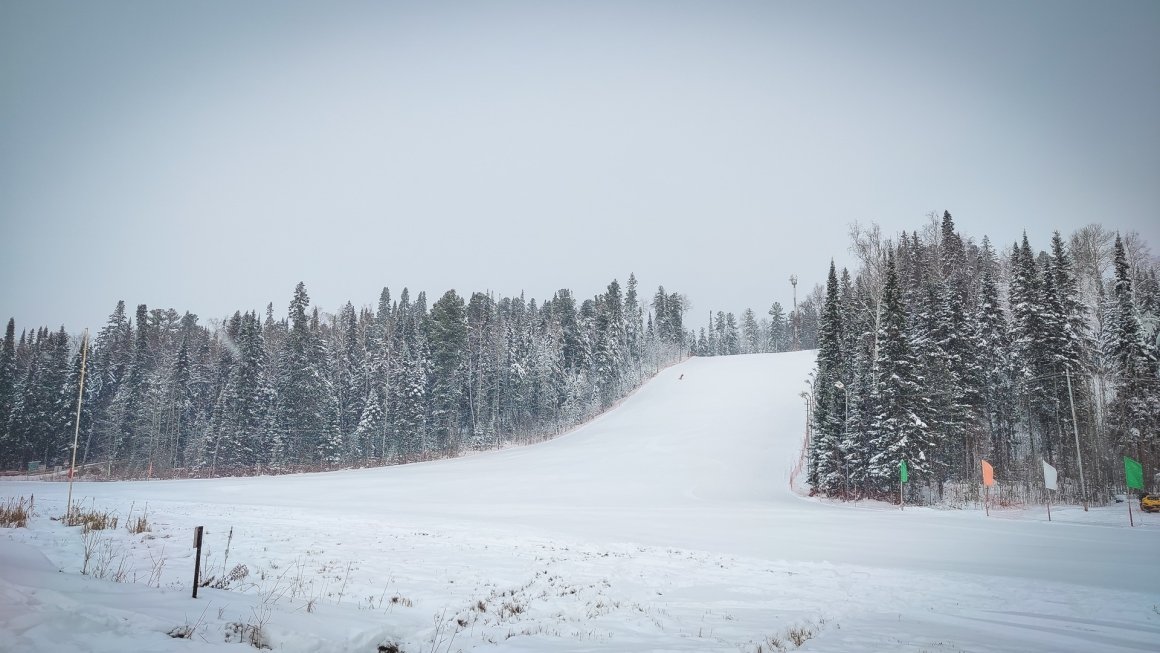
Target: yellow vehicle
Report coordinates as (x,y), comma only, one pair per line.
(1150,503)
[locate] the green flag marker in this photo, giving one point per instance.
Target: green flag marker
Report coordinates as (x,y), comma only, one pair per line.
(1134,473)
(903,475)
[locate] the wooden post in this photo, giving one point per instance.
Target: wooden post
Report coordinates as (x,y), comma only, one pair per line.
(1131,522)
(1048,492)
(987,499)
(197,532)
(901,499)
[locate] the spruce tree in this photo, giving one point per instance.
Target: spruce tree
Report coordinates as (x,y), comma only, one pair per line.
(447,336)
(633,327)
(992,340)
(1135,413)
(609,360)
(750,333)
(900,433)
(779,339)
(302,418)
(7,387)
(828,469)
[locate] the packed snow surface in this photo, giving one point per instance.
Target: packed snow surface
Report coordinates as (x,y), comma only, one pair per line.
(670,523)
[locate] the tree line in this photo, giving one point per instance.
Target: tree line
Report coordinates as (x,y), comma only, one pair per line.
(395,383)
(725,335)
(942,352)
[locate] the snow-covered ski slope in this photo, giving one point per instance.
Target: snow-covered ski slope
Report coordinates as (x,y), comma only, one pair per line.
(668,523)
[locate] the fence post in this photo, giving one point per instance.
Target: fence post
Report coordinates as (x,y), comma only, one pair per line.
(197,532)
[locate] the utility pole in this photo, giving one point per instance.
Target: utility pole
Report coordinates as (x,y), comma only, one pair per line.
(77,428)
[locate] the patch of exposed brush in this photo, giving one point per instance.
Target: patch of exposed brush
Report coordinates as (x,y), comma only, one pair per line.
(792,638)
(140,524)
(91,519)
(401,600)
(236,575)
(14,513)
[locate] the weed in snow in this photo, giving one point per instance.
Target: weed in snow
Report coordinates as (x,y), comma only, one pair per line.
(15,512)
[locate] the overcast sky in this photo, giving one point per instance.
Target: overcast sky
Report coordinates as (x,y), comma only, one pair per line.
(207,156)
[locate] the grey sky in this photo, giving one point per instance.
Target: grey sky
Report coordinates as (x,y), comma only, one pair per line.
(207,156)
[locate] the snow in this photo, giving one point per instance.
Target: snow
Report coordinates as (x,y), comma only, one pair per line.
(669,523)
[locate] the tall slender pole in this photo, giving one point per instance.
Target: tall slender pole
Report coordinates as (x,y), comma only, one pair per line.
(794,322)
(1075,427)
(77,431)
(809,446)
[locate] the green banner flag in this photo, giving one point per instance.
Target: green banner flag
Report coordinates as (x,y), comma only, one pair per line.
(904,476)
(1134,473)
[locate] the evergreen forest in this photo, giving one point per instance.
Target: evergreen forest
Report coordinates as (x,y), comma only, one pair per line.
(942,351)
(165,395)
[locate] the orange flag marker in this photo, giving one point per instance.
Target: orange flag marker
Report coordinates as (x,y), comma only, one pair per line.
(988,481)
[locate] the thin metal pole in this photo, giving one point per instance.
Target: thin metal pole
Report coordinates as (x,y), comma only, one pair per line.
(1075,427)
(77,431)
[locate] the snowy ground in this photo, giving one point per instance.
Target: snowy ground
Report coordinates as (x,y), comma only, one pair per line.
(668,524)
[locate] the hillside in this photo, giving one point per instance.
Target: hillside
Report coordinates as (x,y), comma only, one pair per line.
(667,523)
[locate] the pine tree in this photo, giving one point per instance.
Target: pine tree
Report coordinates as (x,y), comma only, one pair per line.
(900,433)
(181,400)
(350,381)
(828,467)
(247,402)
(130,405)
(730,336)
(991,339)
(856,442)
(610,359)
(333,447)
(112,352)
(7,388)
(447,336)
(409,383)
(750,333)
(482,367)
(302,419)
(1135,412)
(633,328)
(779,339)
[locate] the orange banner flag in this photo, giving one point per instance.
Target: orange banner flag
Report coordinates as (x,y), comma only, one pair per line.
(988,474)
